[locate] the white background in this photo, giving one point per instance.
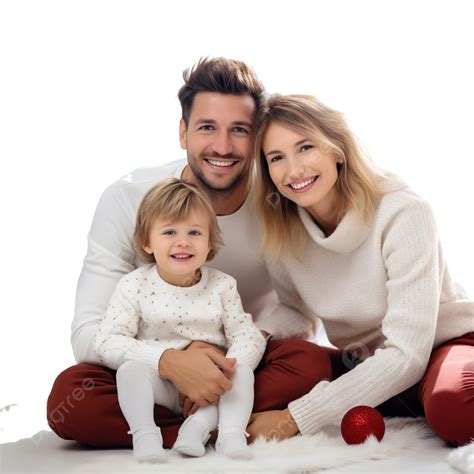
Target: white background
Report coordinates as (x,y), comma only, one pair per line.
(88,93)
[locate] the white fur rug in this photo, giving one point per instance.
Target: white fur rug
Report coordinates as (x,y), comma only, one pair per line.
(408,446)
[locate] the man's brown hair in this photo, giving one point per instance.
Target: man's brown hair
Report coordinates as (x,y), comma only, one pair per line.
(226,76)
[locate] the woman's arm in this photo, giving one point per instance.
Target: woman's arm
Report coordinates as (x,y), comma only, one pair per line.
(410,252)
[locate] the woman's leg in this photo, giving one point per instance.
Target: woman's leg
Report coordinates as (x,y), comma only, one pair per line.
(447,391)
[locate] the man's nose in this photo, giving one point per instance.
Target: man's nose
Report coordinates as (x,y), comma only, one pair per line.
(222,143)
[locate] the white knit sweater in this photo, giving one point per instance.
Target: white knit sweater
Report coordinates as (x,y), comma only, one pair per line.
(147,315)
(111,255)
(382,289)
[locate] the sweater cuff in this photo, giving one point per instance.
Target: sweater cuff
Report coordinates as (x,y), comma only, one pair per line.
(305,412)
(150,355)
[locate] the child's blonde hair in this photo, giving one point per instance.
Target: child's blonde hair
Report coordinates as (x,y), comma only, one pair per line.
(173,199)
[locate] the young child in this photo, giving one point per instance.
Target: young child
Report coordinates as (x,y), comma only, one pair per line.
(169,303)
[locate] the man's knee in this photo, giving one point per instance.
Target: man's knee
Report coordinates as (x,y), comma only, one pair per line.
(308,361)
(67,399)
(450,415)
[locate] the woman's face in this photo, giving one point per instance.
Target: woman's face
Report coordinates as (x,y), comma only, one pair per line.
(301,171)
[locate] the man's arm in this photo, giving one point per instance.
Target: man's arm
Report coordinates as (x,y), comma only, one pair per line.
(110,255)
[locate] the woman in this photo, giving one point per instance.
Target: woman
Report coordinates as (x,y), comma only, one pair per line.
(361,251)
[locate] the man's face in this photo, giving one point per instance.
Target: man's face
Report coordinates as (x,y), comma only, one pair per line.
(218,139)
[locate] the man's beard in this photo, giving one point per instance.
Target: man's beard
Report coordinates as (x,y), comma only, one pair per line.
(209,186)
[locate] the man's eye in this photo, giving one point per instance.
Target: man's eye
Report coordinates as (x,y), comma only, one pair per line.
(195,233)
(206,128)
(240,130)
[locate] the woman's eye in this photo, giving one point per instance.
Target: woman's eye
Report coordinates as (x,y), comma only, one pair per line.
(275,158)
(306,147)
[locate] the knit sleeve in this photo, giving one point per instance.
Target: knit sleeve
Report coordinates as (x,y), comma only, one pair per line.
(291,318)
(110,256)
(115,341)
(410,251)
(244,340)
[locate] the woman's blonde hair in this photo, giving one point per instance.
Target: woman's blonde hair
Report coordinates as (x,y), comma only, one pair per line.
(173,200)
(357,184)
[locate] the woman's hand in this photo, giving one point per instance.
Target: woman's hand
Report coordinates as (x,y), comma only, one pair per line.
(275,424)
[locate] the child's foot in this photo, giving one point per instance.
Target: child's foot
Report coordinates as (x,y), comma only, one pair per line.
(232,442)
(192,437)
(148,445)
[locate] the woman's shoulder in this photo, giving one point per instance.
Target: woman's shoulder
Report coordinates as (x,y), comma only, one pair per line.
(397,196)
(402,208)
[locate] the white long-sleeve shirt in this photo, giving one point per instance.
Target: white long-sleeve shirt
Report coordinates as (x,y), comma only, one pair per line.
(381,289)
(111,255)
(147,315)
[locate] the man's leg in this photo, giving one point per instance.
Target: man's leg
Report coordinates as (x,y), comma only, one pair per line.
(289,369)
(83,406)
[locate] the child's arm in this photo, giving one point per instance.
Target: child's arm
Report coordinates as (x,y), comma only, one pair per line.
(244,340)
(115,341)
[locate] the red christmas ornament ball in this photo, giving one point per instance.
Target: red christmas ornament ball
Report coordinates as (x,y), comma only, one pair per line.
(360,422)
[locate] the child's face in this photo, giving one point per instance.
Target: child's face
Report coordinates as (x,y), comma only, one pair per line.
(180,248)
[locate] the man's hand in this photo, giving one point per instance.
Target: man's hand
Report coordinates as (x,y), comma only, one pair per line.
(275,424)
(187,405)
(201,374)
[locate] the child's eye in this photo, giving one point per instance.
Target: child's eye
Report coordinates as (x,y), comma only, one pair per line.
(195,233)
(169,232)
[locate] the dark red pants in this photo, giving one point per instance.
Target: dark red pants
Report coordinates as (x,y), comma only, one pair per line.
(445,394)
(83,403)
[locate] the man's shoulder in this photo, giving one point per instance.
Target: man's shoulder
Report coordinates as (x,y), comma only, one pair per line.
(127,192)
(145,177)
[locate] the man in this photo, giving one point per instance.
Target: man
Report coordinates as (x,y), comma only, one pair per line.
(219,102)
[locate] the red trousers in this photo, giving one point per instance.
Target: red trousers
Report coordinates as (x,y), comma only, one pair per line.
(83,403)
(445,394)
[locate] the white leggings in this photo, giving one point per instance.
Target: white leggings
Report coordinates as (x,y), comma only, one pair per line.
(139,387)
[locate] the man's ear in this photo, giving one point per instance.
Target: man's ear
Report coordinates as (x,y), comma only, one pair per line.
(182,134)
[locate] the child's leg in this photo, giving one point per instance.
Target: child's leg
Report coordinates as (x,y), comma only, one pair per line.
(235,408)
(139,387)
(195,431)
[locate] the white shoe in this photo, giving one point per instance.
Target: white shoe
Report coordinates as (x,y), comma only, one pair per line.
(192,438)
(148,445)
(232,442)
